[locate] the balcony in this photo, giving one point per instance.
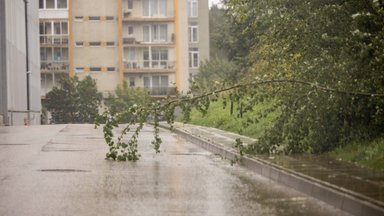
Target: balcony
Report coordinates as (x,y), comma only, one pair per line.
(130,16)
(161,91)
(59,40)
(54,66)
(150,66)
(132,42)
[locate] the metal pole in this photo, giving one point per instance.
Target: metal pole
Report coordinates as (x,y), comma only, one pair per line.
(27,57)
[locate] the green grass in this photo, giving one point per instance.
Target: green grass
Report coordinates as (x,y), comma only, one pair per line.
(365,153)
(220,117)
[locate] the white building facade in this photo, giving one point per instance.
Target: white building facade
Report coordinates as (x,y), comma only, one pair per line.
(19,63)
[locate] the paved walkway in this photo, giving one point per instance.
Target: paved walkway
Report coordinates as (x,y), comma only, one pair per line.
(60,170)
(363,183)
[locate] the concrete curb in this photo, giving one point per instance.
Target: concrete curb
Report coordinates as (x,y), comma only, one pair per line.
(343,199)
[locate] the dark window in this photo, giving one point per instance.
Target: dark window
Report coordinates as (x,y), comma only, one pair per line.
(94,18)
(61,3)
(111,69)
(94,43)
(95,69)
(78,18)
(50,4)
(79,70)
(41,4)
(111,43)
(110,18)
(131,81)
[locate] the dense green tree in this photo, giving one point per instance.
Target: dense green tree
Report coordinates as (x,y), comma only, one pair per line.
(73,101)
(333,43)
(320,63)
(218,71)
(219,30)
(126,97)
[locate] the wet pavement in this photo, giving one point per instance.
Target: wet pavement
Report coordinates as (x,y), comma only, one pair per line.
(60,170)
(364,183)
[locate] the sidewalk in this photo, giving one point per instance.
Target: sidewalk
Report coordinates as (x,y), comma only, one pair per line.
(345,181)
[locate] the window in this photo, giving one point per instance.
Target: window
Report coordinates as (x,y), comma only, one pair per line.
(95,69)
(64,28)
(131,54)
(57,28)
(94,44)
(41,27)
(94,18)
(110,18)
(111,69)
(156,82)
(79,44)
(53,4)
(130,4)
(130,30)
(158,85)
(193,8)
(61,4)
(110,44)
(193,57)
(79,70)
(155,58)
(154,8)
(159,58)
(79,18)
(54,54)
(193,33)
(131,81)
(146,33)
(50,4)
(155,33)
(45,30)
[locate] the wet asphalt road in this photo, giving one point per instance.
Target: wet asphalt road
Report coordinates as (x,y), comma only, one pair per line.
(60,170)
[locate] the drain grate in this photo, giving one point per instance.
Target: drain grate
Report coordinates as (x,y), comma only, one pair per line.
(63,170)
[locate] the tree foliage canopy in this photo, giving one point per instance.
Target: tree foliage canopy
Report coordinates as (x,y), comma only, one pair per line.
(126,97)
(320,61)
(338,44)
(74,100)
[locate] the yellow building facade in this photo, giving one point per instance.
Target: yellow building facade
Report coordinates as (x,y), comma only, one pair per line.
(152,44)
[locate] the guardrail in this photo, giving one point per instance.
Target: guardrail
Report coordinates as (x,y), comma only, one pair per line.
(54,40)
(154,64)
(54,65)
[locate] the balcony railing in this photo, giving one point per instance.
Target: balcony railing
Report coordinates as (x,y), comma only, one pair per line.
(60,66)
(154,64)
(161,91)
(132,41)
(129,14)
(54,40)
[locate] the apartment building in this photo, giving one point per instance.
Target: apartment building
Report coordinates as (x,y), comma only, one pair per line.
(54,41)
(151,44)
(19,63)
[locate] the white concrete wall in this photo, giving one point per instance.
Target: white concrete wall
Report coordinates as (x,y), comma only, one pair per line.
(16,61)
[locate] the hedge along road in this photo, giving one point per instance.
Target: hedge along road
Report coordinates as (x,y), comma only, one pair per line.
(59,170)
